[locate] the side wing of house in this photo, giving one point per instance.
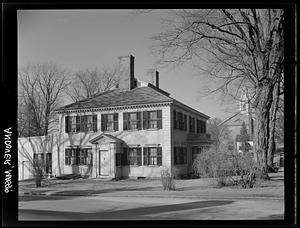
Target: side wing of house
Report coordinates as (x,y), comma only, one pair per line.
(36,148)
(189,137)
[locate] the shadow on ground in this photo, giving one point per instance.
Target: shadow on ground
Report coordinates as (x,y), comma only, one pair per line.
(128,214)
(58,195)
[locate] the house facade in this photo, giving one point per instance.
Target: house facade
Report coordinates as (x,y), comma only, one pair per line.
(129,132)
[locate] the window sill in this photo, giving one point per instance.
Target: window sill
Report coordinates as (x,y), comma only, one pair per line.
(109,131)
(152,129)
(77,132)
(132,130)
(77,165)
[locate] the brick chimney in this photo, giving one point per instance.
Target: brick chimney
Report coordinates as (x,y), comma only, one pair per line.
(157,79)
(131,73)
(127,80)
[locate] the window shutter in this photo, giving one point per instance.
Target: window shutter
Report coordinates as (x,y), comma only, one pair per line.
(175,156)
(139,120)
(204,127)
(185,122)
(174,119)
(124,156)
(83,123)
(103,117)
(159,119)
(67,124)
(139,156)
(145,155)
(125,121)
(95,123)
(145,120)
(77,123)
(116,122)
(159,156)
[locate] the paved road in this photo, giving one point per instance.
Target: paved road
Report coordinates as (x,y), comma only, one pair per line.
(149,208)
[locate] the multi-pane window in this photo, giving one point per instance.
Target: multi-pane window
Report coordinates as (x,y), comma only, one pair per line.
(134,156)
(180,121)
(109,122)
(152,156)
(152,119)
(77,156)
(201,126)
(192,124)
(180,155)
(132,120)
(196,151)
(84,123)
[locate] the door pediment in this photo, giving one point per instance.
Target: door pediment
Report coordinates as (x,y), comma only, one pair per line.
(104,139)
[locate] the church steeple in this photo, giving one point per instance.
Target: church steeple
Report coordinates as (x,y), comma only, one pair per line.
(244,101)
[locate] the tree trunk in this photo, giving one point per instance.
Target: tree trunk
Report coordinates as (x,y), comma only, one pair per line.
(273,114)
(261,136)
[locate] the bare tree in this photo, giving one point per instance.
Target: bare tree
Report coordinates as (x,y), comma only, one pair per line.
(220,134)
(40,90)
(240,48)
(91,82)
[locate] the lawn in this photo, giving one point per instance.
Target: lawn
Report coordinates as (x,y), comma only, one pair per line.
(203,187)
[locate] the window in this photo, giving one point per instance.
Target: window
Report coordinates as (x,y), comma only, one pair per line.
(175,122)
(84,123)
(77,156)
(152,119)
(152,156)
(180,121)
(68,156)
(48,163)
(198,126)
(196,151)
(39,158)
(134,156)
(109,122)
(83,156)
(180,155)
(192,124)
(185,122)
(132,120)
(204,127)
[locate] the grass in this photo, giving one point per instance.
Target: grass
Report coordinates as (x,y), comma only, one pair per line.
(203,187)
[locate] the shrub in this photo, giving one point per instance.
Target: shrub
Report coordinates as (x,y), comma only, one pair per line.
(223,167)
(167,180)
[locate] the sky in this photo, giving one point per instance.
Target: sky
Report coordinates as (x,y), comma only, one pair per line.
(89,39)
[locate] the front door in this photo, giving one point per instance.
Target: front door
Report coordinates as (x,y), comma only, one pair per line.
(104,162)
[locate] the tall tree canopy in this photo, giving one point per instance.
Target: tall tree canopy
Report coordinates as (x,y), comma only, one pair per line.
(40,89)
(88,83)
(240,48)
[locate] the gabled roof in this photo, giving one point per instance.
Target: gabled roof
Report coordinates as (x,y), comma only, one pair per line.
(118,97)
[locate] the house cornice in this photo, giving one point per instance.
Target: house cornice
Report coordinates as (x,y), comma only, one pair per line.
(187,108)
(147,105)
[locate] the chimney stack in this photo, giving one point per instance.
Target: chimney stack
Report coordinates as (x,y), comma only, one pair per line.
(157,79)
(131,73)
